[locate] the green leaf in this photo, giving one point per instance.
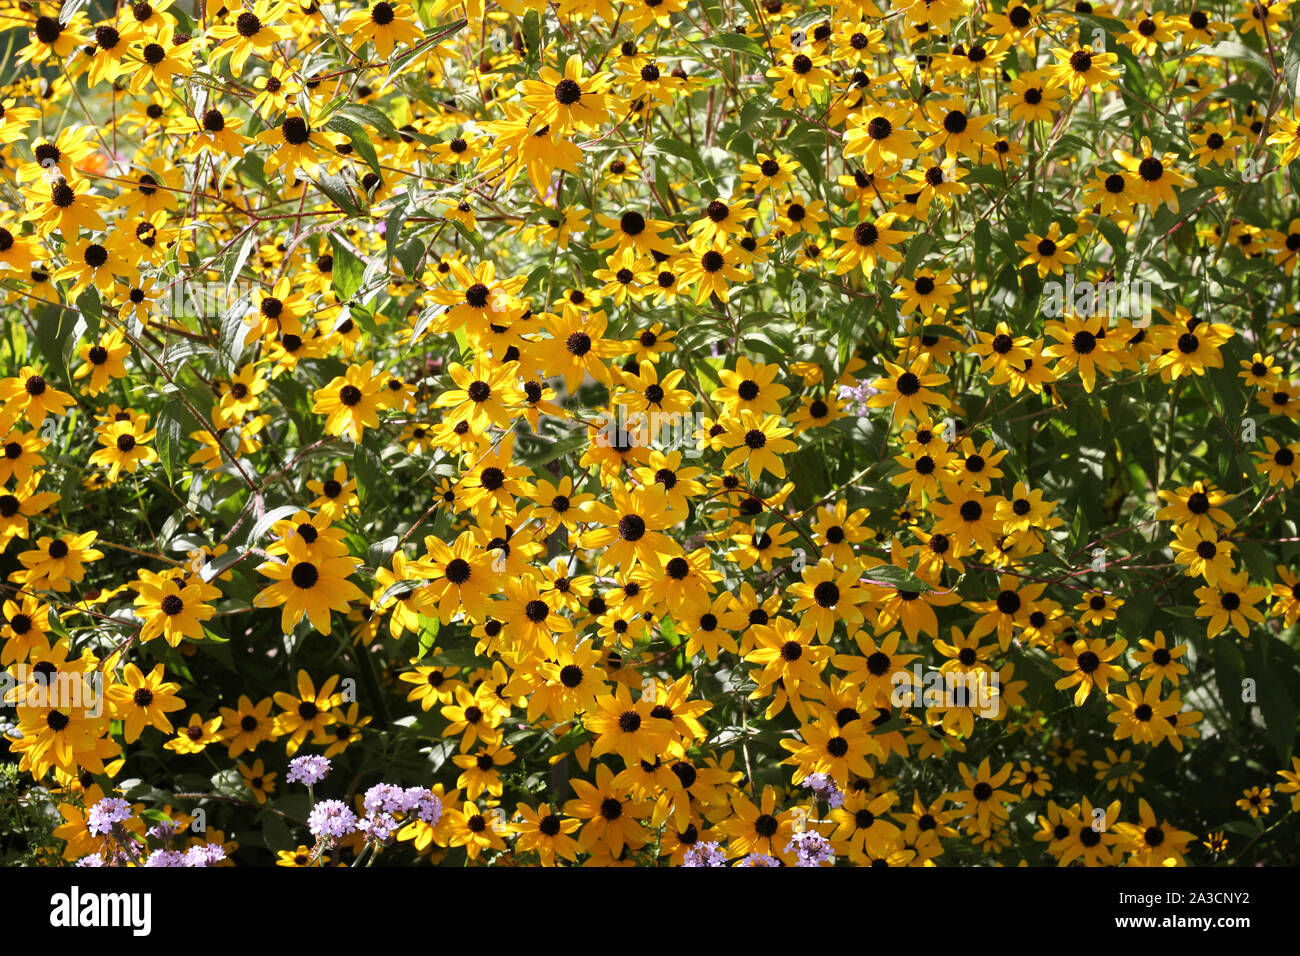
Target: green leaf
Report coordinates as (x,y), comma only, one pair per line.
(393,227)
(368,470)
(232,262)
(1115,236)
(425,319)
(895,577)
(409,255)
(167,436)
(398,588)
(348,269)
(91,309)
(232,335)
(983,243)
(370,116)
(735,42)
(1291,66)
(428,636)
(339,193)
(276,833)
(674,147)
(917,249)
(265,522)
(1229,672)
(1232,50)
(381,551)
(54,338)
(360,141)
(533,36)
(1275,704)
(575,738)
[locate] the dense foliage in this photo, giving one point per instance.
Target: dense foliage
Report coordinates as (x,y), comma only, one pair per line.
(649,432)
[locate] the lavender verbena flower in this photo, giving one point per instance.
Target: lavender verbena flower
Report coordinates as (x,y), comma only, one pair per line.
(824,787)
(705,854)
(378,827)
(331,818)
(759,859)
(424,804)
(386,798)
(209,854)
(94,860)
(308,770)
(165,858)
(164,831)
(102,816)
(856,396)
(812,848)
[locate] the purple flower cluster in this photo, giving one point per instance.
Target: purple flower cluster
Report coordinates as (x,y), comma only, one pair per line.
(101,818)
(705,854)
(856,396)
(331,818)
(390,799)
(163,832)
(209,854)
(308,770)
(385,803)
(812,848)
(825,789)
(759,859)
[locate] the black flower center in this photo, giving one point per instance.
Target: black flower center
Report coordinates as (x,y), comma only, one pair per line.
(865,234)
(305,575)
(295,131)
(879,128)
(567,92)
(578,344)
(826,594)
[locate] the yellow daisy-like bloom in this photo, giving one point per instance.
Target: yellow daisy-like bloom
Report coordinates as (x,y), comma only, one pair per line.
(1088,665)
(103,361)
(864,245)
(251,30)
(1230,603)
(571,99)
(759,443)
(124,447)
(171,608)
(195,736)
(909,391)
(1049,253)
(1080,68)
(350,402)
(385,24)
(307,587)
(57,562)
(30,395)
(142,700)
